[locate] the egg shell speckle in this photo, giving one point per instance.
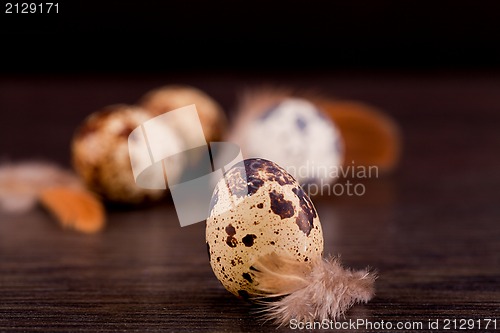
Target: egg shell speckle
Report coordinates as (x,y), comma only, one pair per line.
(250,217)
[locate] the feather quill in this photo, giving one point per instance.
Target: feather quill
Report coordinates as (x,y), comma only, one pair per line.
(306,291)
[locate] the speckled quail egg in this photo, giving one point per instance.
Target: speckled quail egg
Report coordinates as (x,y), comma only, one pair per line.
(100,154)
(170,97)
(251,216)
(294,133)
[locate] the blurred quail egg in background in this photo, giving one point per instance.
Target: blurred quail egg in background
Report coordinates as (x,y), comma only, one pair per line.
(170,97)
(100,154)
(295,134)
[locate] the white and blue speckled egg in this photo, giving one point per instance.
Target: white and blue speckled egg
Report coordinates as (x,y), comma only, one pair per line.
(295,134)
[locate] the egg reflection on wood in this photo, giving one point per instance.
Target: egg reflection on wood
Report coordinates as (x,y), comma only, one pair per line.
(292,132)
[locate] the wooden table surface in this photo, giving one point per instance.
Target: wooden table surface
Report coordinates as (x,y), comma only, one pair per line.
(432,229)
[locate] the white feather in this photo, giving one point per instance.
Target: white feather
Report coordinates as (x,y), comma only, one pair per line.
(21,183)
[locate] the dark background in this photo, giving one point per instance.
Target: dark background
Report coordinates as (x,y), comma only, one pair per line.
(158,36)
(96,53)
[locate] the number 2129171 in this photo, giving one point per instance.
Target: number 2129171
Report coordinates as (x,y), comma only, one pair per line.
(31,8)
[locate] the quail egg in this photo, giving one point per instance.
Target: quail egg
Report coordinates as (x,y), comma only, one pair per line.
(294,133)
(100,154)
(170,97)
(258,208)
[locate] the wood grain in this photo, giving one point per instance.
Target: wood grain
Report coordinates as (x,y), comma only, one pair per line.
(431,229)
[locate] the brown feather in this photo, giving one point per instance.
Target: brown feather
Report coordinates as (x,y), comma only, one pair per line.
(77,209)
(279,275)
(22,185)
(370,135)
(306,291)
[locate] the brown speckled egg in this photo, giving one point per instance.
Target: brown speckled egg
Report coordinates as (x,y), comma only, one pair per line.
(100,154)
(250,217)
(167,98)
